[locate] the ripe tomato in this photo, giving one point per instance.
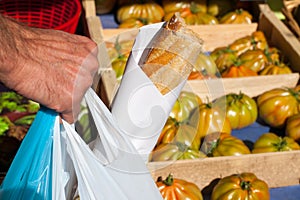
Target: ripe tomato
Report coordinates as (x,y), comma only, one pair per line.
(185,8)
(133,23)
(276,105)
(270,142)
(239,16)
(292,128)
(209,119)
(273,54)
(223,144)
(118,53)
(256,40)
(148,10)
(241,186)
(178,189)
(255,60)
(206,65)
(241,110)
(174,151)
(197,18)
(197,75)
(224,57)
(179,132)
(238,71)
(184,104)
(119,65)
(276,68)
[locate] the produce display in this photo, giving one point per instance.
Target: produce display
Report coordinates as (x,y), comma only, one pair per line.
(244,185)
(17,114)
(198,128)
(137,13)
(250,55)
(207,128)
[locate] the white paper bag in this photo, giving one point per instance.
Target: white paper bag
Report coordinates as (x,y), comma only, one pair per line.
(115,170)
(138,107)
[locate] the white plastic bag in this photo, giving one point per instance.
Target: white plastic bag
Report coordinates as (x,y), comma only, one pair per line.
(63,173)
(113,170)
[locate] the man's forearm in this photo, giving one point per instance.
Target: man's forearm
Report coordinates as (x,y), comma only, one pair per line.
(51,67)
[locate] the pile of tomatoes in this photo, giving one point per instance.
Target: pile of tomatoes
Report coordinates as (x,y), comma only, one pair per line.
(138,13)
(197,129)
(250,55)
(245,185)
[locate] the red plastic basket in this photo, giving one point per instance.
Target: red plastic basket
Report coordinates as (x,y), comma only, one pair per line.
(52,14)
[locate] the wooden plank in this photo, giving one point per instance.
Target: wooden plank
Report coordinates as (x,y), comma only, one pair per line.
(222,34)
(89,7)
(110,35)
(105,80)
(252,86)
(210,34)
(277,169)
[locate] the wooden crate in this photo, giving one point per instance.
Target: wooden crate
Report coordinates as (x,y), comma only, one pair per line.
(213,88)
(216,36)
(277,169)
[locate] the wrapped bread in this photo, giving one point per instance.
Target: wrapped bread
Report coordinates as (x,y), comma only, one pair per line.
(169,57)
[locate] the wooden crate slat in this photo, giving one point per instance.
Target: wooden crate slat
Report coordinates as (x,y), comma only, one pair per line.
(277,169)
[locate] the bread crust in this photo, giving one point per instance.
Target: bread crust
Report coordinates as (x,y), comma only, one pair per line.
(169,57)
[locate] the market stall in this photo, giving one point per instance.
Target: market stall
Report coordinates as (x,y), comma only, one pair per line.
(203,171)
(260,78)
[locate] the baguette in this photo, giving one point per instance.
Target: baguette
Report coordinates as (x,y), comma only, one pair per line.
(169,57)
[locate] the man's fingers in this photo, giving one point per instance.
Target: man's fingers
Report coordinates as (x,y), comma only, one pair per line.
(69,117)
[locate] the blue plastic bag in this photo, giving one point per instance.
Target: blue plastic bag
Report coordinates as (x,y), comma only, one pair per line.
(30,174)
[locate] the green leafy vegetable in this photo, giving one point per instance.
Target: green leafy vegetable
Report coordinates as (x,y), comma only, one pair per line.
(11,101)
(4,125)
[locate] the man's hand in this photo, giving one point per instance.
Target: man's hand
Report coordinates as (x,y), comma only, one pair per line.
(51,67)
